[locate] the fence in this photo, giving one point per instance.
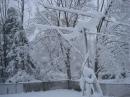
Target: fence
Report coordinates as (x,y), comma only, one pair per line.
(43,86)
(109,89)
(37,86)
(117,90)
(11,88)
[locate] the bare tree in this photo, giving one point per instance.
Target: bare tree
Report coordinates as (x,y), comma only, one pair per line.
(64,18)
(60,18)
(3,17)
(22,12)
(21,8)
(3,10)
(100,8)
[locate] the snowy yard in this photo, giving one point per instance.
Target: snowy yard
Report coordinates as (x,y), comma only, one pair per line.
(56,48)
(51,93)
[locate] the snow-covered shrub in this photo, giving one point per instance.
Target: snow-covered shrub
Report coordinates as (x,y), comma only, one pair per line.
(20,76)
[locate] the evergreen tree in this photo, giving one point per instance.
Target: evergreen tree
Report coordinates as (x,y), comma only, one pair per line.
(16,56)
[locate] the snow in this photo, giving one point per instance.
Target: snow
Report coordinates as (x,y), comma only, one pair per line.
(33,36)
(90,25)
(89,77)
(51,93)
(20,76)
(87,72)
(113,20)
(88,13)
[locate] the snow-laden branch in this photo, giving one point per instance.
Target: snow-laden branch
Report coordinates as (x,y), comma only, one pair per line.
(59,33)
(91,14)
(85,61)
(45,27)
(88,13)
(113,20)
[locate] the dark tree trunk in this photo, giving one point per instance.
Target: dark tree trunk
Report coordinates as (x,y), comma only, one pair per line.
(99,28)
(22,12)
(4,48)
(68,64)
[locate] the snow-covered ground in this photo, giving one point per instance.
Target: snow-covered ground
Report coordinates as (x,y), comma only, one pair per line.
(51,93)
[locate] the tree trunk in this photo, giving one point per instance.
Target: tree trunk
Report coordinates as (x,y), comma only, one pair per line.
(99,27)
(68,64)
(22,12)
